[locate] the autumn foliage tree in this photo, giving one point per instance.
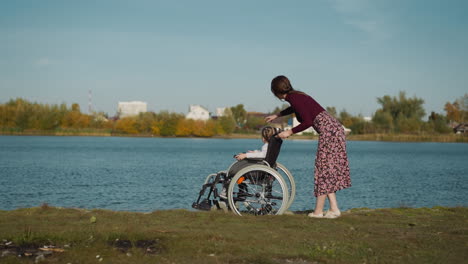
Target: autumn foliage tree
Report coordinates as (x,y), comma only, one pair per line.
(196,128)
(126,125)
(458,110)
(185,128)
(19,114)
(398,114)
(75,119)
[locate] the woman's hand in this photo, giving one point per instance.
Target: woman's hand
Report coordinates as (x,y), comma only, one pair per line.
(271,118)
(241,156)
(285,134)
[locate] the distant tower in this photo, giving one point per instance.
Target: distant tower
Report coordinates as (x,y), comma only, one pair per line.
(90,104)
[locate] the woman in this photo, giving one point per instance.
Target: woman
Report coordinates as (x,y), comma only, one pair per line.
(331,162)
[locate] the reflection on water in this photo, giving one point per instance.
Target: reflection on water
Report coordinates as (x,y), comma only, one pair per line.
(146,174)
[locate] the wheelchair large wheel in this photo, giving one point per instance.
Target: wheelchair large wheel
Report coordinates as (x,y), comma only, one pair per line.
(289,179)
(258,190)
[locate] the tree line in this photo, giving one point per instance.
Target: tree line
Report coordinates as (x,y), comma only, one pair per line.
(397,114)
(400,114)
(19,115)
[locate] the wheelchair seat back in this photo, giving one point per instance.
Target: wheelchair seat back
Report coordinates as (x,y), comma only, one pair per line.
(274,147)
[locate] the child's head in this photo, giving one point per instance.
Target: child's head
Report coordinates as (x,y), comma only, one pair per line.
(267,133)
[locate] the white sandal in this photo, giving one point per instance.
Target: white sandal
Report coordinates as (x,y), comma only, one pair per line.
(332,215)
(315,216)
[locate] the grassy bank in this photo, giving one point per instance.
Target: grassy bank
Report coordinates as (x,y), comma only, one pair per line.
(59,132)
(410,138)
(401,235)
(365,137)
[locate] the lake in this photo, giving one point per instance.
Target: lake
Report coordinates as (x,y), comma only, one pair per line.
(147,174)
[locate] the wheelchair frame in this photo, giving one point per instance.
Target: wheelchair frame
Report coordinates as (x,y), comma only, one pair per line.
(258,188)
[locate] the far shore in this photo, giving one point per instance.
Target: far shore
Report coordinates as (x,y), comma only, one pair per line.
(458,138)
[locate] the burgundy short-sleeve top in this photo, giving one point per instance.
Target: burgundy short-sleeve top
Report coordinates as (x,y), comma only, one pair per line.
(305,108)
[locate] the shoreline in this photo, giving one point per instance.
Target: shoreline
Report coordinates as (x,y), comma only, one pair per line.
(442,138)
(287,213)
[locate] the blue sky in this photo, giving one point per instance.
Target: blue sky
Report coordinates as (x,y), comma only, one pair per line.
(345,53)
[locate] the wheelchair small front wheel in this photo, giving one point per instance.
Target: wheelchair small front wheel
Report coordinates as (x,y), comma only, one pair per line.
(258,190)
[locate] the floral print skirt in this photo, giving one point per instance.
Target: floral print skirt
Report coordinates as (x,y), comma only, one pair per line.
(331,163)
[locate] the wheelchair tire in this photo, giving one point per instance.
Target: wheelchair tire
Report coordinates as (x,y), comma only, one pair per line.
(258,190)
(289,179)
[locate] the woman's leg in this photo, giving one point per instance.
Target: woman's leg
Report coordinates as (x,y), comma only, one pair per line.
(333,202)
(334,212)
(319,204)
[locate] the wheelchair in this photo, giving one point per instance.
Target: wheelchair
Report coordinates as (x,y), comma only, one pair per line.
(250,186)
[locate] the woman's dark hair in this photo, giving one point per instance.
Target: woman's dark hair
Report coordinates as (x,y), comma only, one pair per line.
(281,85)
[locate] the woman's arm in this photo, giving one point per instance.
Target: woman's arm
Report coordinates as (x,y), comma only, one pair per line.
(286,111)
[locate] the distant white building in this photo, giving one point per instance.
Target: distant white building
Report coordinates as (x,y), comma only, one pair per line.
(347,130)
(198,112)
(131,108)
(220,111)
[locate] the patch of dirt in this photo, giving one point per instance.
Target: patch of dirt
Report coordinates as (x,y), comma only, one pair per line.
(122,245)
(149,246)
(295,261)
(303,212)
(31,250)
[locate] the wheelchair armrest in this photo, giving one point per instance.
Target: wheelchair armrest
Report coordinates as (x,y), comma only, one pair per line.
(255,159)
(258,160)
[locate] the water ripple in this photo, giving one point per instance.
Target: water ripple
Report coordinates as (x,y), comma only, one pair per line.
(146,174)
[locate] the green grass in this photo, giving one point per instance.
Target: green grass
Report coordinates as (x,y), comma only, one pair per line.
(400,235)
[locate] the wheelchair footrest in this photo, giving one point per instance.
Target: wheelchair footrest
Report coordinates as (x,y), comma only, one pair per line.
(203,205)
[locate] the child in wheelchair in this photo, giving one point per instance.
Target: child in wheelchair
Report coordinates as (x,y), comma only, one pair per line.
(251,156)
(249,181)
(267,133)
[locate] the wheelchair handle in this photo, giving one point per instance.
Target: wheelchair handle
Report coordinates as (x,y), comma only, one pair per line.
(278,131)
